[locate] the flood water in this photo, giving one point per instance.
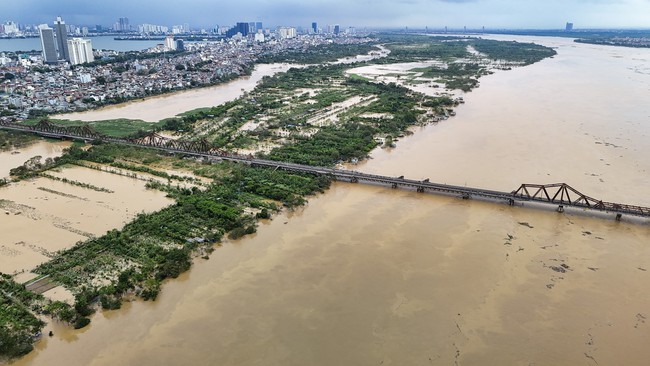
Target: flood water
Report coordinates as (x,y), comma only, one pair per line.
(372,276)
(41,216)
(16,157)
(156,108)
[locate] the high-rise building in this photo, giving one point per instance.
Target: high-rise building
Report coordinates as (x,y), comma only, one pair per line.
(81,51)
(337,29)
(251,27)
(569,27)
(258,26)
(10,27)
(243,28)
(62,39)
(314,27)
(47,42)
(122,25)
(180,45)
(170,44)
(287,32)
(152,28)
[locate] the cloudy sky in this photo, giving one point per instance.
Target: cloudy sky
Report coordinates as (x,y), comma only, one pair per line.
(545,14)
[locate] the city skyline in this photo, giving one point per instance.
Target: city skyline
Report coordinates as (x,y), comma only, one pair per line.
(550,14)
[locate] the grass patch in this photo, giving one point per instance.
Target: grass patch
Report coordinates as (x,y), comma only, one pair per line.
(113,127)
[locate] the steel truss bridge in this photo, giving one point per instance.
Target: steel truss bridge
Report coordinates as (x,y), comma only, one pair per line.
(559,194)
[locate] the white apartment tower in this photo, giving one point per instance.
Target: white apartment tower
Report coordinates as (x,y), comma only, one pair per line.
(285,32)
(81,51)
(170,44)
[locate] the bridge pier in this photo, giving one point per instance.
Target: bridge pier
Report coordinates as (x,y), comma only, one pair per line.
(394,186)
(511,202)
(420,190)
(354,180)
(619,216)
(466,196)
(560,208)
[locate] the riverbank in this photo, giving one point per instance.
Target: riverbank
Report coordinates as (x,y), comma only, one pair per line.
(156,108)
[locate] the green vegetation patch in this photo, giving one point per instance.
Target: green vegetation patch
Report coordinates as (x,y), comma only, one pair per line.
(18,324)
(355,138)
(319,54)
(413,48)
(13,140)
(523,53)
(457,75)
(292,110)
(113,127)
(463,69)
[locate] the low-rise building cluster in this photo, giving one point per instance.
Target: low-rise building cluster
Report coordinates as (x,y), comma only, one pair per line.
(29,88)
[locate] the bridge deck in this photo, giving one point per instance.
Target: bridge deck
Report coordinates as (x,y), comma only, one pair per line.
(560,192)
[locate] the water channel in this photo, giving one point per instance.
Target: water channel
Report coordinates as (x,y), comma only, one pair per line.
(153,109)
(373,276)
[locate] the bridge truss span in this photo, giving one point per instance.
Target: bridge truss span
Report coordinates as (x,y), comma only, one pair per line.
(563,194)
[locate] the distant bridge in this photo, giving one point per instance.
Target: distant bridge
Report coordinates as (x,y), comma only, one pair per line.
(559,194)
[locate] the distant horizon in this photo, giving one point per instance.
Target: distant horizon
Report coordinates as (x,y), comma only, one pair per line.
(396,14)
(307,25)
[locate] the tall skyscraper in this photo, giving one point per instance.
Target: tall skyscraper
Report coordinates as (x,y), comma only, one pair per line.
(337,29)
(243,28)
(47,42)
(569,27)
(62,39)
(124,24)
(251,27)
(180,45)
(314,27)
(258,25)
(81,51)
(170,43)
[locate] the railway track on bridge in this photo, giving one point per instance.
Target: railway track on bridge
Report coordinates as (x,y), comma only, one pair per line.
(560,195)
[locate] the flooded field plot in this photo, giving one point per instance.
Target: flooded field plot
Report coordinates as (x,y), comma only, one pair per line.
(43,215)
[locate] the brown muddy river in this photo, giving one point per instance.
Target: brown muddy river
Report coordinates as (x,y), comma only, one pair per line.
(373,276)
(16,157)
(154,109)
